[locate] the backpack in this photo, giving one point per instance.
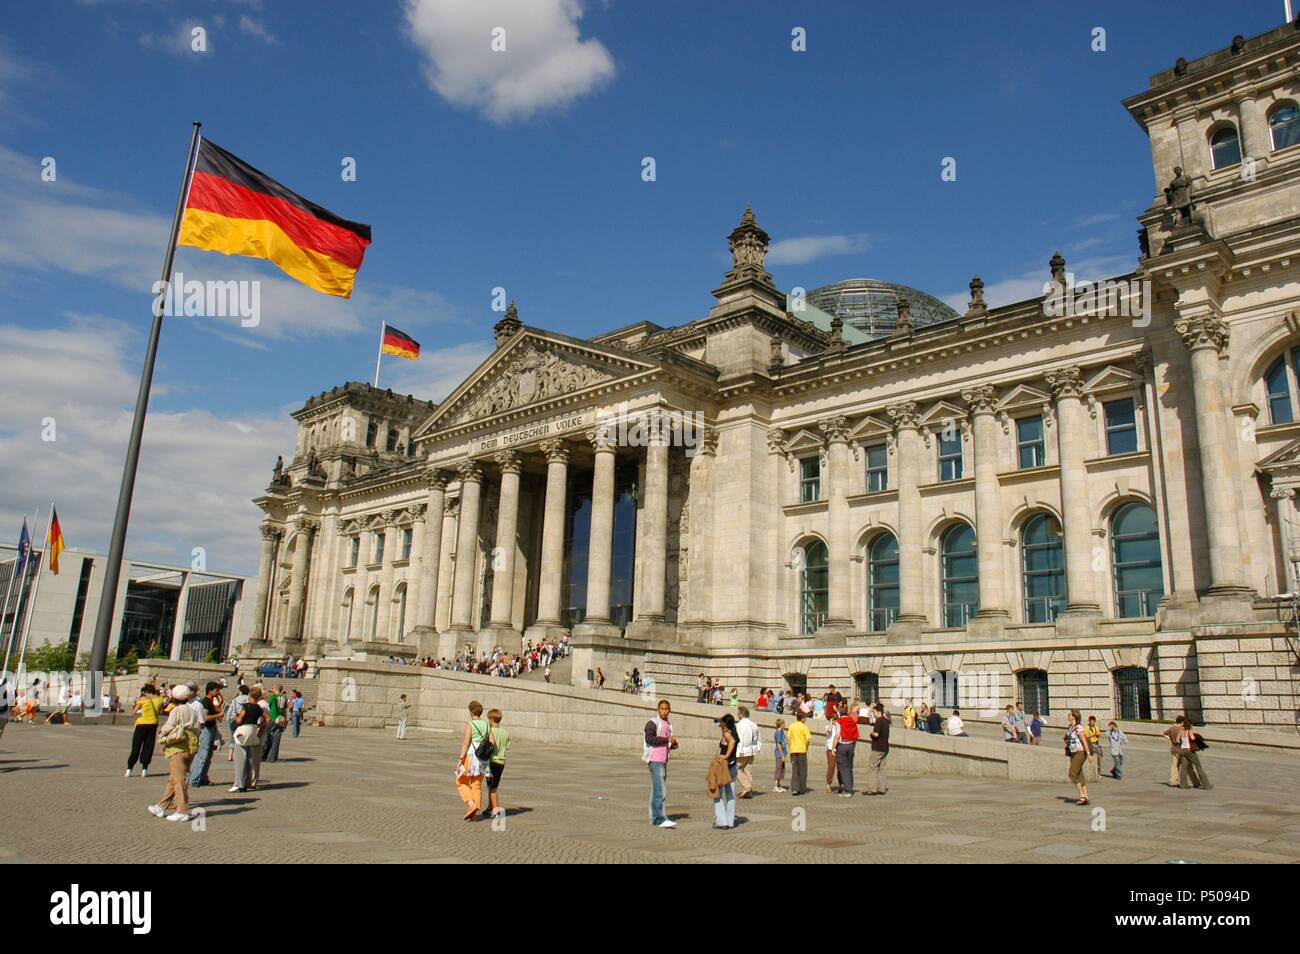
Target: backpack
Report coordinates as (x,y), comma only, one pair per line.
(485,748)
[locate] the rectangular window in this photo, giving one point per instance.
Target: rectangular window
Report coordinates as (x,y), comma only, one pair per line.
(1029,441)
(1121,427)
(810,479)
(406,544)
(950,457)
(354,550)
(877,469)
(379,547)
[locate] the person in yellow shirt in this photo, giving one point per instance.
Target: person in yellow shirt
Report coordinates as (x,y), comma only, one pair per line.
(909,716)
(1093,733)
(147,708)
(799,737)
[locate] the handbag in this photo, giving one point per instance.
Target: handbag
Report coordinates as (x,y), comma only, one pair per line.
(485,748)
(173,735)
(246,736)
(1201,744)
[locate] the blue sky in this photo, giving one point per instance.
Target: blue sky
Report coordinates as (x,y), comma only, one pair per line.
(519,169)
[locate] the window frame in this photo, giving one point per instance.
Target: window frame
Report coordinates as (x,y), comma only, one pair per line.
(958,470)
(377,550)
(1214,133)
(880,618)
(806,482)
(813,611)
(1039,446)
(408,538)
(1294,123)
(1116,568)
(1054,604)
(354,550)
(950,609)
(882,471)
(1108,429)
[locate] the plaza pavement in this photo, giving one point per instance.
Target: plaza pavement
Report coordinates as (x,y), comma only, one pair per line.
(356,795)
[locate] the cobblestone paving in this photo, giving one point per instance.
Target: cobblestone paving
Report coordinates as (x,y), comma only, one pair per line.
(347,795)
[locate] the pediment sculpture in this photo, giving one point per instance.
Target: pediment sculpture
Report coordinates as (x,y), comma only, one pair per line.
(529,374)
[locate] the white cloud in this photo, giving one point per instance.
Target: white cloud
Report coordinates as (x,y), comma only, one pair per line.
(257,30)
(545,64)
(180,39)
(808,248)
(1031,283)
(436,373)
(198,470)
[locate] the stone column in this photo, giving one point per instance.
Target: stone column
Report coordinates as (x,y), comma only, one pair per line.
(600,550)
(988,502)
(653,528)
(1284,497)
(392,543)
(835,430)
(305,527)
(549,591)
(1253,129)
(446,565)
(911,610)
(1066,385)
(426,576)
(1206,337)
(462,609)
(503,557)
(270,537)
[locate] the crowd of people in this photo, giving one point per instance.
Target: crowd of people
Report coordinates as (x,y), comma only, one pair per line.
(187,724)
(530,658)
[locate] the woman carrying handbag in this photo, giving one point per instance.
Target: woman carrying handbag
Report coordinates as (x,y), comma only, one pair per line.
(1079,751)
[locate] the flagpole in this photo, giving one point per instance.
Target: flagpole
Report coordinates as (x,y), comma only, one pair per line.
(36,589)
(117,545)
(18,603)
(4,610)
(380,356)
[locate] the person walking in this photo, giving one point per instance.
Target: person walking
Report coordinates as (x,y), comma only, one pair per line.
(724,804)
(210,714)
(1079,751)
(1036,730)
(782,746)
(143,736)
(1093,731)
(1115,740)
(497,764)
(296,702)
(250,725)
(275,704)
(1190,746)
(876,783)
(800,739)
(180,740)
(232,713)
(1172,734)
(832,740)
(403,715)
(846,747)
(472,762)
(658,742)
(747,747)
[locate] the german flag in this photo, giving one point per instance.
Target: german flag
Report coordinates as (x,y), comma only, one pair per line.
(56,541)
(234,209)
(400,343)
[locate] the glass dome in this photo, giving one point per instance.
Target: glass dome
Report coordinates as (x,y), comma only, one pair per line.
(871,306)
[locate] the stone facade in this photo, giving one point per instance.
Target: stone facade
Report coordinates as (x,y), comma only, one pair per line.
(1087,498)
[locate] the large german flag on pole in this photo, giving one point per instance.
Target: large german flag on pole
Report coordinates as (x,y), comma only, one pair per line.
(234,209)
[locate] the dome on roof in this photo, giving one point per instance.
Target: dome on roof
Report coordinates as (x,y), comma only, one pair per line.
(871,306)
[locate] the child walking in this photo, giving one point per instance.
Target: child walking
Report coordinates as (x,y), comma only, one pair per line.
(1115,739)
(500,746)
(782,746)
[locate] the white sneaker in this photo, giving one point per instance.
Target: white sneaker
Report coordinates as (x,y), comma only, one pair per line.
(234,788)
(156,811)
(178,816)
(668,823)
(144,773)
(128,774)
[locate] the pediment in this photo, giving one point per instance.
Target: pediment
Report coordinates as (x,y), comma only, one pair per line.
(534,368)
(804,440)
(1023,396)
(870,428)
(1111,378)
(1280,460)
(943,411)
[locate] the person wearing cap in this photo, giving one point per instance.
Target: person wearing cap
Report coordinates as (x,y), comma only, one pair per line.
(180,739)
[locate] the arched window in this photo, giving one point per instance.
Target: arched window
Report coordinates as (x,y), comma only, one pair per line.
(882,582)
(960,570)
(1225,149)
(374,612)
(1135,557)
(1032,691)
(1043,568)
(1278,386)
(391,446)
(1284,125)
(347,613)
(401,613)
(814,588)
(372,432)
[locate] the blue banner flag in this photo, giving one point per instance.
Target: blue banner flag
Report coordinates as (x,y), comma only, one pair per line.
(24,551)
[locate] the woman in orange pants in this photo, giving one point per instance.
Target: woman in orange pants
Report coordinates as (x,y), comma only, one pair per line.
(469,768)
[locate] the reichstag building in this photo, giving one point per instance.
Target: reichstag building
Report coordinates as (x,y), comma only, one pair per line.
(1086,498)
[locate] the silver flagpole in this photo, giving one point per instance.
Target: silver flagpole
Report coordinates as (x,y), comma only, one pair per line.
(117,545)
(36,589)
(383,325)
(18,602)
(4,610)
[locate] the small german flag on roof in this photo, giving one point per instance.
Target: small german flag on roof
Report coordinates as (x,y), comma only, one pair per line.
(234,209)
(400,343)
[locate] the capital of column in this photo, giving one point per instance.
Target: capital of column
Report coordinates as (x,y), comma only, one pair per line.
(1065,382)
(306,525)
(1203,331)
(418,510)
(1282,493)
(556,451)
(776,441)
(390,517)
(437,478)
(450,507)
(905,415)
(270,533)
(1144,361)
(602,440)
(508,461)
(982,399)
(835,429)
(469,471)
